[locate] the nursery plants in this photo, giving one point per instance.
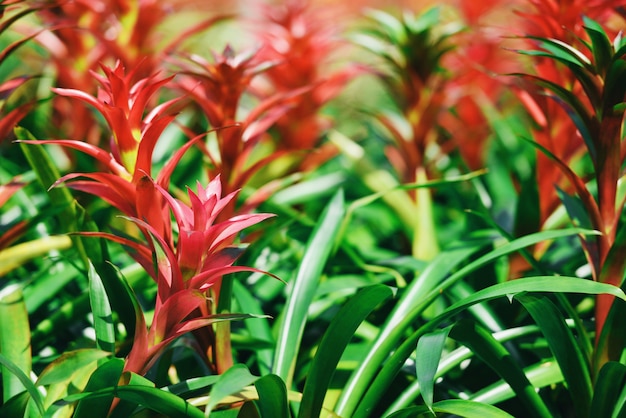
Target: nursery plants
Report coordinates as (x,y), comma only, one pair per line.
(312,209)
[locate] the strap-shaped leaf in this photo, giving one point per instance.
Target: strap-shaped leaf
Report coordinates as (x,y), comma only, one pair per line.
(107,375)
(335,340)
(556,284)
(272,397)
(563,345)
(609,397)
(429,349)
(14,369)
(14,339)
(102,313)
(455,407)
(483,345)
(601,47)
(152,398)
(560,51)
(231,381)
(318,250)
(574,108)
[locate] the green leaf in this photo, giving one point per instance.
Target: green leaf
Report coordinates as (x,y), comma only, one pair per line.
(527,213)
(601,46)
(64,367)
(15,370)
(564,347)
(541,375)
(609,397)
(614,88)
(60,197)
(334,342)
(549,284)
(317,251)
(560,51)
(428,355)
(14,340)
(107,375)
(16,406)
(575,109)
(483,345)
(422,292)
(73,218)
(456,407)
(575,209)
(152,398)
(231,381)
(272,401)
(19,254)
(102,314)
(612,339)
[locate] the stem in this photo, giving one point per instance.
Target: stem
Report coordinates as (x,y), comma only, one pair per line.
(223,347)
(607,168)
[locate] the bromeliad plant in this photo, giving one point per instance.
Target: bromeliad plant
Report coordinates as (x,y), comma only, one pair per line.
(596,115)
(395,303)
(182,264)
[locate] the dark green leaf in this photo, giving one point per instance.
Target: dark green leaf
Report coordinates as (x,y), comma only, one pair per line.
(333,343)
(600,45)
(317,251)
(272,397)
(482,344)
(428,354)
(564,347)
(609,397)
(231,381)
(107,375)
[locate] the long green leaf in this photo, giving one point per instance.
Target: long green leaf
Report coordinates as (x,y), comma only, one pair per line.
(483,345)
(395,325)
(231,381)
(454,359)
(260,328)
(11,368)
(455,407)
(152,398)
(272,401)
(429,349)
(60,197)
(102,314)
(14,339)
(601,46)
(531,284)
(334,342)
(540,375)
(421,294)
(609,397)
(317,251)
(564,347)
(107,375)
(64,367)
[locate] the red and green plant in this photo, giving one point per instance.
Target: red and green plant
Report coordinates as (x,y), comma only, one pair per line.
(311,209)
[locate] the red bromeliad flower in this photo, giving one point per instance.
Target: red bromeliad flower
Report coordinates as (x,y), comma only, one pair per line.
(185,263)
(593,104)
(302,40)
(134,136)
(203,254)
(12,113)
(86,33)
(218,88)
(562,19)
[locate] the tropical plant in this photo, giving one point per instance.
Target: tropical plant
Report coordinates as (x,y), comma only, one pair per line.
(312,210)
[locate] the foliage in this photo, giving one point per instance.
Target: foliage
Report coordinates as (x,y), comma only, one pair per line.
(338,211)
